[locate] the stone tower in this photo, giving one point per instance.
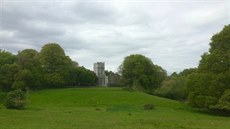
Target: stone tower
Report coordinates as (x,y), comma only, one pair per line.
(99,69)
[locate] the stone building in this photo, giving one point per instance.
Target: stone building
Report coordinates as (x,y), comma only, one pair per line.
(99,69)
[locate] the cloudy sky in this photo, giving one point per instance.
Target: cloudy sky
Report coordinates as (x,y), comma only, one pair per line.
(172,33)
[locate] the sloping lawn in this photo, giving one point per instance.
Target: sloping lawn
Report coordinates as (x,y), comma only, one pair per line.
(105,108)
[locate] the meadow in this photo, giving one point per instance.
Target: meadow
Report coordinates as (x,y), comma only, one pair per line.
(105,108)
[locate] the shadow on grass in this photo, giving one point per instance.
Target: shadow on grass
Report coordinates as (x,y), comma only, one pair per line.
(211,112)
(128,89)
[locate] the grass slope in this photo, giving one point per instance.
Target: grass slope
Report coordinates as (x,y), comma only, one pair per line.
(105,108)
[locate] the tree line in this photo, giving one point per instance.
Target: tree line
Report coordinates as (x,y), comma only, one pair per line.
(208,85)
(49,68)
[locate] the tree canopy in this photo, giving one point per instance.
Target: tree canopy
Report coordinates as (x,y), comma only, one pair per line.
(138,72)
(209,87)
(6,57)
(174,86)
(53,58)
(49,68)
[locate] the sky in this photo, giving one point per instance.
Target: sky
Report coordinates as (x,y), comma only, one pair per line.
(172,33)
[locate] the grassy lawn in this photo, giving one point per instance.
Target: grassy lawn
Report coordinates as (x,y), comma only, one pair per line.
(105,108)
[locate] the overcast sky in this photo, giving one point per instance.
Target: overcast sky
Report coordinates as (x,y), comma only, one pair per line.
(173,34)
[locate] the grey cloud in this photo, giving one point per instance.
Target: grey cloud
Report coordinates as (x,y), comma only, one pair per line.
(172,34)
(97,13)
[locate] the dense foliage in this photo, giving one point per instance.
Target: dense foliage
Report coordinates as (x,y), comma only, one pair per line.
(209,87)
(6,58)
(49,68)
(81,76)
(16,99)
(138,72)
(174,86)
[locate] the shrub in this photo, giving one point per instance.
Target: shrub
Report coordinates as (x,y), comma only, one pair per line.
(223,103)
(16,99)
(149,106)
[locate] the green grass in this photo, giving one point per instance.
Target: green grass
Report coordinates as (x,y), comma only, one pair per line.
(105,108)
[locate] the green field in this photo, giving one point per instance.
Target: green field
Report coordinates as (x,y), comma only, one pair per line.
(105,108)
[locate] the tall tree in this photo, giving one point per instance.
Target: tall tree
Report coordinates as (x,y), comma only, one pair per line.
(209,88)
(6,57)
(7,76)
(29,60)
(7,69)
(55,64)
(53,58)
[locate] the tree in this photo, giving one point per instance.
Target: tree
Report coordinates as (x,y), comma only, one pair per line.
(6,58)
(224,102)
(29,60)
(7,76)
(53,80)
(80,76)
(7,70)
(209,87)
(174,87)
(53,58)
(161,75)
(87,77)
(138,72)
(55,65)
(22,80)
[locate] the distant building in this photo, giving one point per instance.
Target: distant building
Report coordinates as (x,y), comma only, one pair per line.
(99,69)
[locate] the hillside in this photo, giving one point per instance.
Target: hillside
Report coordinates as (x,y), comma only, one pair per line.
(105,108)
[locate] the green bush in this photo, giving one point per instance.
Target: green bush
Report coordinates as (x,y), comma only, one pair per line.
(224,102)
(16,99)
(174,87)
